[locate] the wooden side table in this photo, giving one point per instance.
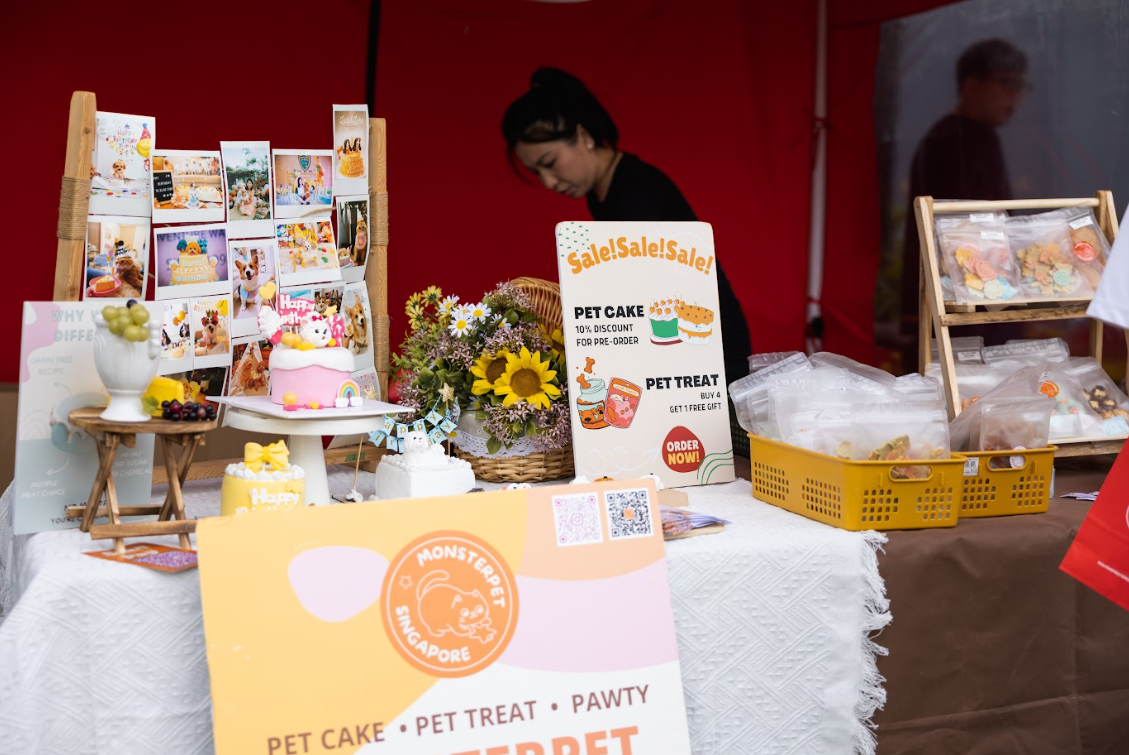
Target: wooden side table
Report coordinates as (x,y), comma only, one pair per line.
(108,437)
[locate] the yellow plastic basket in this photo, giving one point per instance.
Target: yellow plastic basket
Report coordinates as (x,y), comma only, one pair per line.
(855,495)
(993,487)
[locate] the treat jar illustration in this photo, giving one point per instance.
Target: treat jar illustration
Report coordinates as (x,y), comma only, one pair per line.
(622,403)
(127,349)
(590,403)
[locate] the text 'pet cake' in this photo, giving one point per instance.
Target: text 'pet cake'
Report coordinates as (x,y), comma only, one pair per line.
(264,481)
(310,367)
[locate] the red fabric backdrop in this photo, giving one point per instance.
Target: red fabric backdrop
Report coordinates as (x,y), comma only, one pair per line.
(716,94)
(240,71)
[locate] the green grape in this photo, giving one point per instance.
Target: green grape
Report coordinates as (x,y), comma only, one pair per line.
(139,315)
(109,313)
(135,333)
(117,326)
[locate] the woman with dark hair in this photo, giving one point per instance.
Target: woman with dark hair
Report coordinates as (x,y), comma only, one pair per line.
(559,131)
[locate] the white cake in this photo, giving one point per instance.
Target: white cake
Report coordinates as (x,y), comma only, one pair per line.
(422,471)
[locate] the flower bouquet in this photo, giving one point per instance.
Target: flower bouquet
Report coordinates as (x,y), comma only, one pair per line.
(499,364)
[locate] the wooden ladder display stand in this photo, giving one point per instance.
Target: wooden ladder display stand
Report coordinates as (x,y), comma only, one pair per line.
(937,316)
(70,280)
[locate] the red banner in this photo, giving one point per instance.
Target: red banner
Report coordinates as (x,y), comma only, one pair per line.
(1099,556)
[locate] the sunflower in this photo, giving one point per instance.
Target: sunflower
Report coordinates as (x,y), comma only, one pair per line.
(527,379)
(556,341)
(432,294)
(488,369)
(413,301)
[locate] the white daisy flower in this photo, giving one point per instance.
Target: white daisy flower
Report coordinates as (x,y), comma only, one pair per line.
(448,303)
(479,311)
(460,324)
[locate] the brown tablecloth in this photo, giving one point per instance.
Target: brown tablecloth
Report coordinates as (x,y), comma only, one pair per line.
(993,650)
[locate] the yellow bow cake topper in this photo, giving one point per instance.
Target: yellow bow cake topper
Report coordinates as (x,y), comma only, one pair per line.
(276,455)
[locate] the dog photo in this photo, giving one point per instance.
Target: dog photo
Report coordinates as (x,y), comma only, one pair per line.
(187,187)
(353,237)
(358,325)
(120,168)
(176,337)
(307,252)
(210,321)
(202,384)
(303,182)
(253,265)
(247,189)
(350,148)
(250,375)
(191,261)
(117,257)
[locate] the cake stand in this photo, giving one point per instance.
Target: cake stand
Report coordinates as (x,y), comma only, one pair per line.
(304,437)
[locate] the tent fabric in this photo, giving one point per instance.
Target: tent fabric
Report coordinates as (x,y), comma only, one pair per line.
(244,72)
(717,95)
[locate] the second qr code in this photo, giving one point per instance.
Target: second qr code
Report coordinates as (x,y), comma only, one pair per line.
(577,519)
(629,513)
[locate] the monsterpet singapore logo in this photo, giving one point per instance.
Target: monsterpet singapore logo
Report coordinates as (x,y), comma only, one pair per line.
(449,604)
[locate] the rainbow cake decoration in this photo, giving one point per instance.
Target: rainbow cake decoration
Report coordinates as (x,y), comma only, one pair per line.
(310,367)
(264,481)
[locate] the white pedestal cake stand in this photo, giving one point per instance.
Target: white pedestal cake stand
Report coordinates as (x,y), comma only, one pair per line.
(304,434)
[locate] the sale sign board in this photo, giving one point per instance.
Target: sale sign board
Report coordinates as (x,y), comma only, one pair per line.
(528,622)
(642,332)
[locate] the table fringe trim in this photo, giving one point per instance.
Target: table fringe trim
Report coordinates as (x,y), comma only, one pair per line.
(876,607)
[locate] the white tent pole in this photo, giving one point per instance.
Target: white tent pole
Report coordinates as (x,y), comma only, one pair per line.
(819,176)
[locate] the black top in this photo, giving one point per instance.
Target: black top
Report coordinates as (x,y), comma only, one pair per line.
(958,159)
(643,192)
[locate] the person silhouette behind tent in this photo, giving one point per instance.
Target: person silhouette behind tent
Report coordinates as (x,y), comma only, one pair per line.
(561,133)
(961,157)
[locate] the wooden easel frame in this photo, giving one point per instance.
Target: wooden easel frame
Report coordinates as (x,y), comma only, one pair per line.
(938,316)
(70,261)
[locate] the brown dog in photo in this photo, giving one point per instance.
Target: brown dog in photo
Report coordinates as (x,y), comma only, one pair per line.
(129,271)
(359,250)
(252,374)
(119,170)
(357,329)
(248,289)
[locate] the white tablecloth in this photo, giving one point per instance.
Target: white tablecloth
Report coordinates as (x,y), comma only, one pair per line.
(773,617)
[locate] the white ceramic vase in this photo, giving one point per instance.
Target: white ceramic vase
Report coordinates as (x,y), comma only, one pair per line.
(126,369)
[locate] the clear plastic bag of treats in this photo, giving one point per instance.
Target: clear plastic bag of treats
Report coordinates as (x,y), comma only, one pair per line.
(1045,255)
(758,362)
(941,222)
(1091,247)
(863,376)
(978,260)
(895,432)
(973,380)
(965,349)
(964,431)
(915,387)
(1014,423)
(1072,416)
(1026,352)
(752,387)
(796,404)
(1102,395)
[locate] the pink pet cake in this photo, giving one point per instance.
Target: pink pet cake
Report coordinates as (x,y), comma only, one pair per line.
(309,365)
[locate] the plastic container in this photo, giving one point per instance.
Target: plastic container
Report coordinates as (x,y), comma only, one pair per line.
(996,484)
(856,495)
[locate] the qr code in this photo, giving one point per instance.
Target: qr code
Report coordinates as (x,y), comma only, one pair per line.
(629,513)
(577,519)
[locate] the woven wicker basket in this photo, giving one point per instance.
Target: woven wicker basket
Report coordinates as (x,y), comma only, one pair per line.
(538,466)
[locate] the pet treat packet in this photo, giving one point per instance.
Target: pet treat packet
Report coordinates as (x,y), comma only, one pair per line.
(1015,423)
(743,389)
(1045,257)
(1102,395)
(979,261)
